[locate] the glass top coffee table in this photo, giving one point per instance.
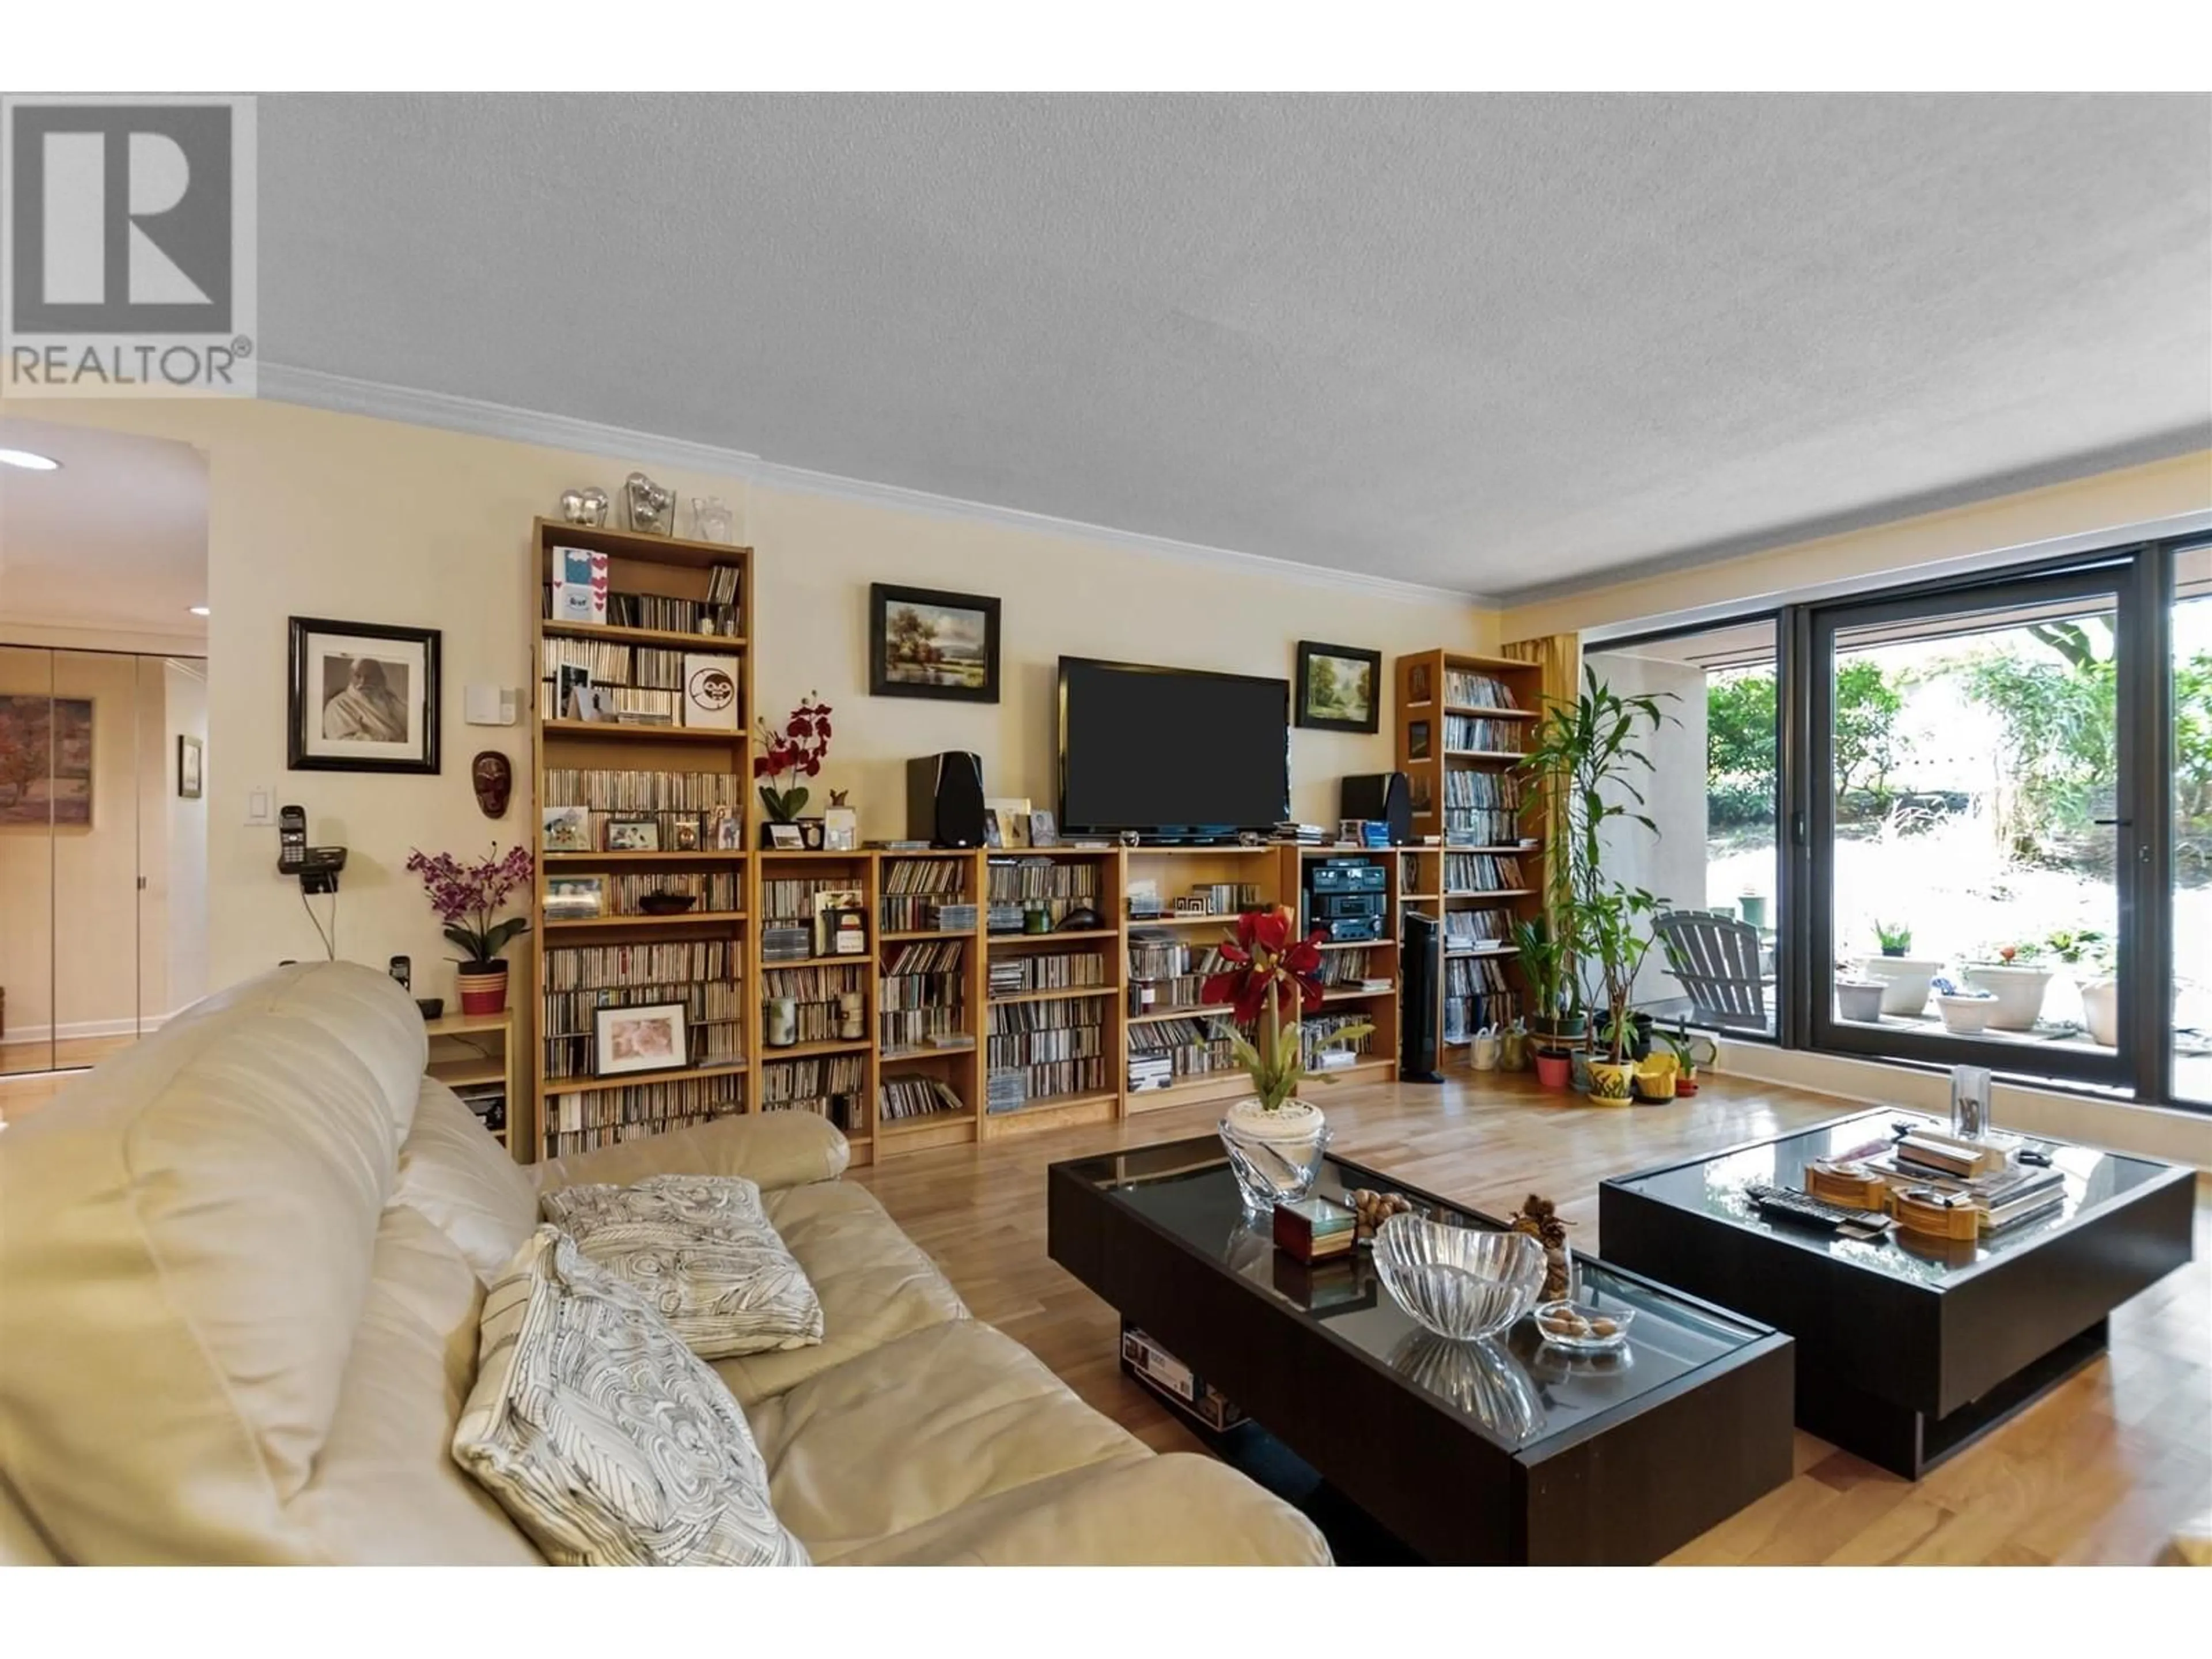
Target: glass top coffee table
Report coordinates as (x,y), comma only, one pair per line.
(1909,1348)
(1503,1451)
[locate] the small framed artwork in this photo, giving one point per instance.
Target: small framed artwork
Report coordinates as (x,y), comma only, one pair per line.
(633,834)
(575,898)
(726,830)
(841,830)
(566,830)
(1416,683)
(1417,740)
(1338,687)
(572,680)
(1044,832)
(783,837)
(647,1039)
(361,697)
(810,834)
(923,643)
(1010,815)
(991,836)
(685,832)
(188,767)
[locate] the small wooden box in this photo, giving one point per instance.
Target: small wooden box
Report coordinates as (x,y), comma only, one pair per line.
(1314,1228)
(1936,1214)
(1851,1185)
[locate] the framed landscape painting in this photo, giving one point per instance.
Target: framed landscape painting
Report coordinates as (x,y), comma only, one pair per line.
(923,643)
(361,697)
(46,760)
(1340,688)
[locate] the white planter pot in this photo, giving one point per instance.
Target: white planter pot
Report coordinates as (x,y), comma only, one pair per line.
(2100,1009)
(2019,992)
(1905,982)
(1862,1002)
(1965,1016)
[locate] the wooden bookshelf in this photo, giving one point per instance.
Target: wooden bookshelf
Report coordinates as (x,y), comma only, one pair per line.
(1432,754)
(858,873)
(472,1051)
(670,569)
(956,879)
(1102,871)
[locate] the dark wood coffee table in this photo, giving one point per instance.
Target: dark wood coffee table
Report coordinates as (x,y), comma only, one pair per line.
(1504,1452)
(1907,1351)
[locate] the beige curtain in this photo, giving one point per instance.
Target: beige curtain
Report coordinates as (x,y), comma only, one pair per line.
(1561,656)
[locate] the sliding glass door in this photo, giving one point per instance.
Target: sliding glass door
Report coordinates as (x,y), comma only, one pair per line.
(1970,801)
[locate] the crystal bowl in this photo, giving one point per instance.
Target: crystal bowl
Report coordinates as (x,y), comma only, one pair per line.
(1460,1282)
(1557,1323)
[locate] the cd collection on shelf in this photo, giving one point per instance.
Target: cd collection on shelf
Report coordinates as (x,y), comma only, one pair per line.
(716,616)
(1315,1029)
(1364,969)
(1477,993)
(1078,971)
(790,902)
(1481,808)
(819,997)
(1192,1047)
(577,1122)
(1048,1048)
(676,806)
(1053,884)
(1467,688)
(1168,971)
(721,892)
(1481,873)
(901,1098)
(926,894)
(581,980)
(1464,732)
(828,1085)
(921,996)
(1475,930)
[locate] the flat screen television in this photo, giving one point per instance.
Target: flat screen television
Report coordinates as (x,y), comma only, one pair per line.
(1170,750)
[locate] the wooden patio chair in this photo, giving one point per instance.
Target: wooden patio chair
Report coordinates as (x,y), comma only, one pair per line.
(1718,960)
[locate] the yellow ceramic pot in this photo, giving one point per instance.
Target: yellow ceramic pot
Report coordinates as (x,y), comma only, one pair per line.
(1609,1084)
(1655,1081)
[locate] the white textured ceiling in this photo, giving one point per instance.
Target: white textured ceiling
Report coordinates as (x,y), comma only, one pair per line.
(116,541)
(1493,343)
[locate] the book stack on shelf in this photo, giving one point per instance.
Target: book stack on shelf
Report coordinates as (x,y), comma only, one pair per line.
(828,1085)
(1019,885)
(922,998)
(1040,1050)
(927,895)
(644,701)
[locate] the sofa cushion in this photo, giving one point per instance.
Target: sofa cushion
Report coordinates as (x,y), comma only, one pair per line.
(185,1249)
(769,1148)
(465,1183)
(700,1249)
(610,1442)
(938,1419)
(874,1283)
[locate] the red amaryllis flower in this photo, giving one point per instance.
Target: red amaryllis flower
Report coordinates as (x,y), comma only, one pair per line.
(1268,955)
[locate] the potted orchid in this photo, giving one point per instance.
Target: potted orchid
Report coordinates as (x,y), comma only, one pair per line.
(788,753)
(1274,1140)
(468,898)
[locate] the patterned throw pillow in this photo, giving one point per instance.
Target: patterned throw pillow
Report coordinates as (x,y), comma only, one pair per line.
(609,1441)
(700,1249)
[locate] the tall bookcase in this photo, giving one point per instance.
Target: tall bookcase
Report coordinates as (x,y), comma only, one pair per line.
(683,781)
(1464,725)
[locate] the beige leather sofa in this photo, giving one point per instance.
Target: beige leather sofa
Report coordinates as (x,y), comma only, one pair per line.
(239,1282)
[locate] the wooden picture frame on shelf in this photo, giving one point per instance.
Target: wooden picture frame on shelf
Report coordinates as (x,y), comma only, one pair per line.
(1340,688)
(633,834)
(575,898)
(629,1041)
(924,642)
(566,829)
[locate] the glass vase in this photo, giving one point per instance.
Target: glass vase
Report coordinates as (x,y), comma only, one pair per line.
(1270,1169)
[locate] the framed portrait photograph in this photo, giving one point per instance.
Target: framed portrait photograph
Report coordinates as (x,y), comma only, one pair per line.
(647,1039)
(1340,688)
(727,833)
(1044,832)
(361,697)
(567,829)
(633,834)
(575,898)
(189,754)
(923,643)
(49,742)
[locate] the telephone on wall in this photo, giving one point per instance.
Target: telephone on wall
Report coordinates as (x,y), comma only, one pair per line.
(316,867)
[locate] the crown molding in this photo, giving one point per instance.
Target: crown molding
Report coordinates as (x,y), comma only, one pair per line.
(344,395)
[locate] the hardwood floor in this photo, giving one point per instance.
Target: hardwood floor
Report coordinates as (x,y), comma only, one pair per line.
(2104,1469)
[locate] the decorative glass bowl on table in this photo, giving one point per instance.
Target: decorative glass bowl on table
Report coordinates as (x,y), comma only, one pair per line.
(1272,1170)
(1459,1282)
(1584,1327)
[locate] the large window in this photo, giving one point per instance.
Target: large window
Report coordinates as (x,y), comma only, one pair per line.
(1968,821)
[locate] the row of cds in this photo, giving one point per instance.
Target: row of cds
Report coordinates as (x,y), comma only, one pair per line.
(613,665)
(1471,930)
(831,1086)
(578,1121)
(1477,993)
(1482,808)
(898,1097)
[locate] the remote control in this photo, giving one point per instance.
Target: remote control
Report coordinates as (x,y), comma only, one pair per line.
(1782,1204)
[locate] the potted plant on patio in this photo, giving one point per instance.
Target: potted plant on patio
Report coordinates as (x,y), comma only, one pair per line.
(2015,975)
(1274,1140)
(1966,1012)
(2099,988)
(468,898)
(1904,979)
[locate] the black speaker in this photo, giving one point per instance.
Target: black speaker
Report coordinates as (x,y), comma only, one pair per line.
(1421,964)
(945,799)
(1380,797)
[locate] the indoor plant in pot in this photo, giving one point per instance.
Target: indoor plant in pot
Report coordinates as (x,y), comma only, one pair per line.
(468,898)
(2015,977)
(793,750)
(1616,923)
(1274,1140)
(1554,1031)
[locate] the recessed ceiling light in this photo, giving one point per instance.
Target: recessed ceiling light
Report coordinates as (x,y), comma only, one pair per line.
(28,460)
(199,610)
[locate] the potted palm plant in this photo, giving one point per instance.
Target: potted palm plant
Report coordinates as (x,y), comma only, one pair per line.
(468,898)
(1616,922)
(1543,959)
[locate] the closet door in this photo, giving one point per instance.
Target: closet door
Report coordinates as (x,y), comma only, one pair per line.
(27,860)
(101,747)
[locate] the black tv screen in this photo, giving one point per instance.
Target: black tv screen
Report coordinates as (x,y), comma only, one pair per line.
(1169,750)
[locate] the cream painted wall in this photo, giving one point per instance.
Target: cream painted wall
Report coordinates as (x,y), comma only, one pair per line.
(183,942)
(1932,544)
(327,515)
